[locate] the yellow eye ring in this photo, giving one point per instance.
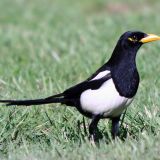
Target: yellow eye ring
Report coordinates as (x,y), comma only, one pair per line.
(132,39)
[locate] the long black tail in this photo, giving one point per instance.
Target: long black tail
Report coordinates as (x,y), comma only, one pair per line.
(59,98)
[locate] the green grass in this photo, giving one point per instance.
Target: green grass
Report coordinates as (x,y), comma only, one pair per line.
(46,46)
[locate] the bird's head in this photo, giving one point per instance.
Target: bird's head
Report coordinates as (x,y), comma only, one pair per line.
(133,40)
(128,45)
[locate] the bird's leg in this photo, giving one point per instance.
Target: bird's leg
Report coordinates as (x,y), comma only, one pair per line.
(115,127)
(93,128)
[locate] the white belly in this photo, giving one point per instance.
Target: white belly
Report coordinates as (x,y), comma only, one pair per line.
(105,100)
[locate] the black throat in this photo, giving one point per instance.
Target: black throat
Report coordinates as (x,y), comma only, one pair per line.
(124,71)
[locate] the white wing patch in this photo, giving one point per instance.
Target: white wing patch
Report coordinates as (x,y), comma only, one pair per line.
(100,75)
(105,100)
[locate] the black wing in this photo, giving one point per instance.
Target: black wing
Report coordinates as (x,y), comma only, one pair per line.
(75,91)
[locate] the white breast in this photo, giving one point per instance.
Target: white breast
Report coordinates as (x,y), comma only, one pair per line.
(105,100)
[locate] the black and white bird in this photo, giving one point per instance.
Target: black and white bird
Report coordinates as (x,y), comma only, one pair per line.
(109,91)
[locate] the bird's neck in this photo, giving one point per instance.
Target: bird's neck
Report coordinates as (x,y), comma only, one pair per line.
(122,55)
(124,71)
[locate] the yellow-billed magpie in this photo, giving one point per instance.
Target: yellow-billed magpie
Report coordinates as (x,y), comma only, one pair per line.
(108,92)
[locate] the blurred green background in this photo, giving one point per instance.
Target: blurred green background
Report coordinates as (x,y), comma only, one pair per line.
(48,45)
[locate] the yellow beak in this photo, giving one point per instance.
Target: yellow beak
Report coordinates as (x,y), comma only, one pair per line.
(150,38)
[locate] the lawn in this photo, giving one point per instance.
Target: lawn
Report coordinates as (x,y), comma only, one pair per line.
(46,46)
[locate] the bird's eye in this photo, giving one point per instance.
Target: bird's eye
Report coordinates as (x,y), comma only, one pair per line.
(133,39)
